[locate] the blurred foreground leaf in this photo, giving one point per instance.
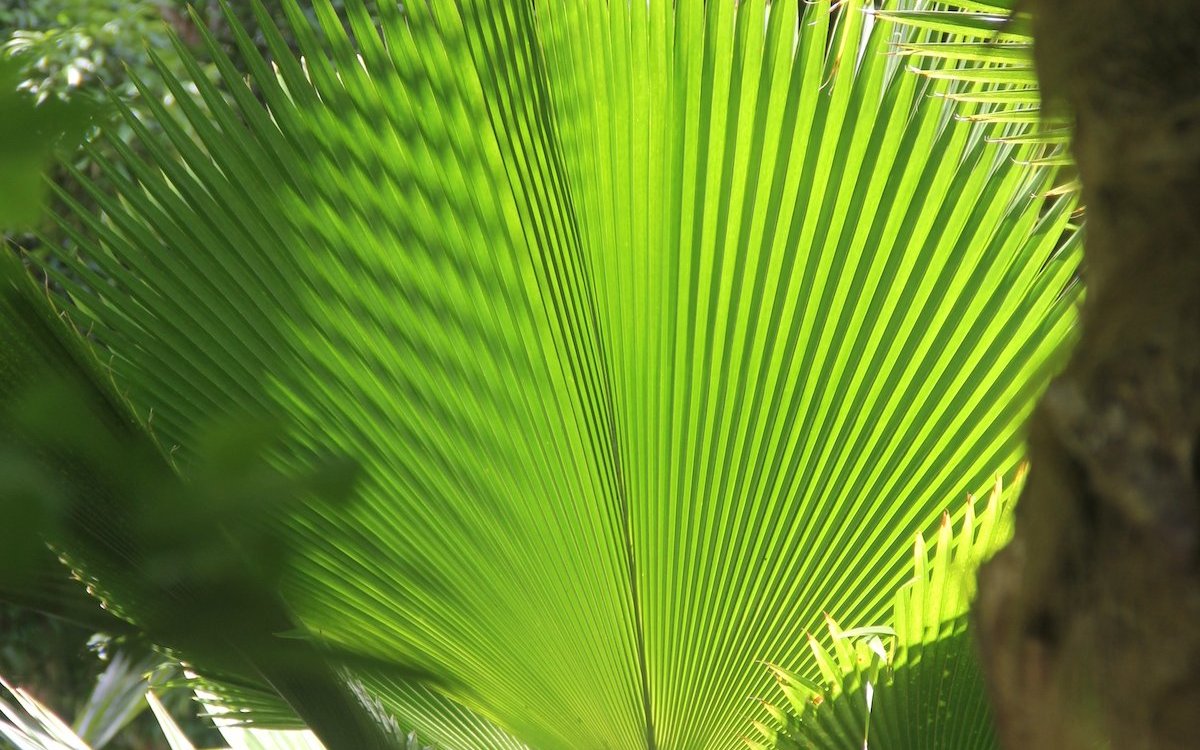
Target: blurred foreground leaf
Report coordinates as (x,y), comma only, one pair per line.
(29,134)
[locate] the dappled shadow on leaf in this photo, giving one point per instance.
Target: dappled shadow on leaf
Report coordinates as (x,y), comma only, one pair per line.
(194,557)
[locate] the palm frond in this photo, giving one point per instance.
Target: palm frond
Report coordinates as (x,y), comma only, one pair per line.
(116,697)
(29,725)
(155,552)
(655,329)
(984,53)
(242,737)
(915,683)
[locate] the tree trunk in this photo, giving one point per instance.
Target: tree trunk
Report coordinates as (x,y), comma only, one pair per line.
(1090,619)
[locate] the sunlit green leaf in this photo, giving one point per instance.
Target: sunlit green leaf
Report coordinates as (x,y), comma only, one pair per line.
(656,330)
(918,687)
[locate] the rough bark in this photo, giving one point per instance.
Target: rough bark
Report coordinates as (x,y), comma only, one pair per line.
(1090,618)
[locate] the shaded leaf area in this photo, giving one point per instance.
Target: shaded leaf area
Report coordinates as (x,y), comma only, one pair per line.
(29,134)
(654,330)
(87,478)
(117,697)
(68,54)
(100,681)
(49,656)
(916,683)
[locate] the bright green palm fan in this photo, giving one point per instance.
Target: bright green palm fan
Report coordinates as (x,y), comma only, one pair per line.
(915,683)
(656,329)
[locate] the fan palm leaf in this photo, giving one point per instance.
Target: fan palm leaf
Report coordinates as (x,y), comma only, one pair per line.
(984,50)
(915,683)
(656,329)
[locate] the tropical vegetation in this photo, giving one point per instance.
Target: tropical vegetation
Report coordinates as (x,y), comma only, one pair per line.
(535,374)
(914,683)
